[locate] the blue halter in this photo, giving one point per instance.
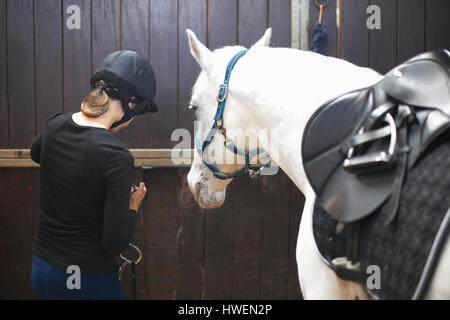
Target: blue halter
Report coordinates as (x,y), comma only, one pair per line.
(218,125)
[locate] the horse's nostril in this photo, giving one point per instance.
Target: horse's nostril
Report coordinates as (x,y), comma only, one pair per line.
(197,187)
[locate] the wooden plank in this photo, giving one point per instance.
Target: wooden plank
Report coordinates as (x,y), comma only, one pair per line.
(18,215)
(160,232)
(275,236)
(280,21)
(437,24)
(218,262)
(77,56)
(297,202)
(4,242)
(191,244)
(410,29)
(4,128)
(222,27)
(136,36)
(191,15)
(48,60)
(142,158)
(329,18)
(355,35)
(252,21)
(247,215)
(105,29)
(383,42)
(21,88)
(219,249)
(163,57)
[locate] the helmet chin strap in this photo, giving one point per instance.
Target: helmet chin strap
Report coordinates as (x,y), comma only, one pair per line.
(125,99)
(127,116)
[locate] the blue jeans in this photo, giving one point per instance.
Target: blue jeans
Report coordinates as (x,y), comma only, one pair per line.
(50,282)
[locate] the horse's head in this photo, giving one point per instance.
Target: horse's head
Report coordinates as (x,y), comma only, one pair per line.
(209,190)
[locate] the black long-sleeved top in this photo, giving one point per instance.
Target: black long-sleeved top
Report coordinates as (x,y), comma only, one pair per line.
(84,216)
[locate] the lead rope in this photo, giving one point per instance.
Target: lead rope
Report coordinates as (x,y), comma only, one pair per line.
(133,264)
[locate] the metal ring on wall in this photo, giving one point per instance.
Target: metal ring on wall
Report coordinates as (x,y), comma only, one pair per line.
(324,4)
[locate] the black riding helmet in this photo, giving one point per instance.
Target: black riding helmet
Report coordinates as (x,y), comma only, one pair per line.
(128,77)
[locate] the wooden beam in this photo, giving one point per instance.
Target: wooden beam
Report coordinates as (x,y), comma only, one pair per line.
(143,158)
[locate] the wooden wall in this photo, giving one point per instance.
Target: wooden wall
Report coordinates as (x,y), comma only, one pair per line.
(245,249)
(408,27)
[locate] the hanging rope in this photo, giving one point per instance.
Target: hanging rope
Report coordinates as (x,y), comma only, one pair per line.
(320,37)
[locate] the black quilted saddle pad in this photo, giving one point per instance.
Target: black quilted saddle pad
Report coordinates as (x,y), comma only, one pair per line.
(401,249)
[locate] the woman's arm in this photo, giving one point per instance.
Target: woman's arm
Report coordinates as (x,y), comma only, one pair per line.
(119,219)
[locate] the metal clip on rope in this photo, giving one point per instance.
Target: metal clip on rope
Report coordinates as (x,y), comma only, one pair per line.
(127,261)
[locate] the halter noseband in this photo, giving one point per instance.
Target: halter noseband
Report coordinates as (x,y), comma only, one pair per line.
(218,125)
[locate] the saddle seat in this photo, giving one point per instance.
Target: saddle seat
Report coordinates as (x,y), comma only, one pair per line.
(357,148)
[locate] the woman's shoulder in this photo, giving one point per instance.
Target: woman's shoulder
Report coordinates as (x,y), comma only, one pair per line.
(110,143)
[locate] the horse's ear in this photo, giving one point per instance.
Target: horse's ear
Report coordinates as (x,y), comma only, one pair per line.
(201,53)
(265,40)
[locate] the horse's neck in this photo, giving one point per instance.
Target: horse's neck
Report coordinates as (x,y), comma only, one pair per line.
(290,97)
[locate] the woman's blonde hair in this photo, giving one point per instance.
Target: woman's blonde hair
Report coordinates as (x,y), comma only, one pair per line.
(97,102)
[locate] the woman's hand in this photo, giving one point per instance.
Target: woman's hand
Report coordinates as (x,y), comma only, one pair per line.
(137,197)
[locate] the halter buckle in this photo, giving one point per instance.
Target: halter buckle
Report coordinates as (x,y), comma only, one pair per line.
(223,93)
(254,173)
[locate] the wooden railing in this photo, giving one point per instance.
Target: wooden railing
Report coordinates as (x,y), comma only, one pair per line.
(143,158)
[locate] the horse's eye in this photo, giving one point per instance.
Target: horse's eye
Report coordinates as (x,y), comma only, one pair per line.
(193,107)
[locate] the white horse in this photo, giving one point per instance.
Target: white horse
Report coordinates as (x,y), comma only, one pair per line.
(279,89)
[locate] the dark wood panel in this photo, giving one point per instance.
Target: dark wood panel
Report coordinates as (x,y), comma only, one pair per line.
(329,18)
(4,127)
(280,21)
(355,35)
(410,29)
(222,26)
(219,248)
(247,216)
(192,15)
(297,202)
(48,59)
(21,90)
(437,24)
(19,213)
(191,242)
(5,262)
(383,42)
(77,57)
(105,29)
(252,21)
(275,236)
(163,57)
(160,231)
(136,36)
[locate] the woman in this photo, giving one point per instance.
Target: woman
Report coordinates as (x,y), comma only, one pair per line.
(86,214)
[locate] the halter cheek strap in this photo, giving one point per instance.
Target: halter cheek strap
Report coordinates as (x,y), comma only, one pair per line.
(218,124)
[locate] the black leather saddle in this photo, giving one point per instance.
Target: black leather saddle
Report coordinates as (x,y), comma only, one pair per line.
(358,147)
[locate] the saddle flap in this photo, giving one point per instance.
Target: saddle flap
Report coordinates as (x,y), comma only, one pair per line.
(345,195)
(331,124)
